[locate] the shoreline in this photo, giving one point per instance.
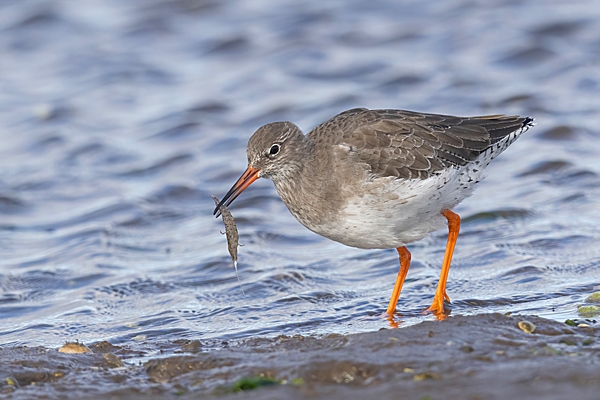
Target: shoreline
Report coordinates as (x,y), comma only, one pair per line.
(469,357)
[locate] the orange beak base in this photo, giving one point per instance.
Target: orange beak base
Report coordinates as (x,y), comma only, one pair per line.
(249,176)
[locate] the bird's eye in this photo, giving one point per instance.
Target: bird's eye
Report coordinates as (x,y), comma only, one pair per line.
(274,149)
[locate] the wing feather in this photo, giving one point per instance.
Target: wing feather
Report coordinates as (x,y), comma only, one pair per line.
(409,145)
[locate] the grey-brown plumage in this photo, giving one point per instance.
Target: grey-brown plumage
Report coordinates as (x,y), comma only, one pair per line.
(231,233)
(408,145)
(378,179)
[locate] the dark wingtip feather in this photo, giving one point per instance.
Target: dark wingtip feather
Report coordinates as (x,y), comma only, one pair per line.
(528,122)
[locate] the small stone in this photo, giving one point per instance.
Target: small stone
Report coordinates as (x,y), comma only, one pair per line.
(10,381)
(112,360)
(74,348)
(588,311)
(193,346)
(104,347)
(526,326)
(593,298)
(426,375)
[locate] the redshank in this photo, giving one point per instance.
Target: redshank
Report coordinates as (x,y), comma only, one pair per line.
(380,179)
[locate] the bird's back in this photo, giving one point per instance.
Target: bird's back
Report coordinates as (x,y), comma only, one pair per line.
(413,145)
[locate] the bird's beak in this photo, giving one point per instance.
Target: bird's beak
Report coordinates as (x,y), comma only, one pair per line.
(249,176)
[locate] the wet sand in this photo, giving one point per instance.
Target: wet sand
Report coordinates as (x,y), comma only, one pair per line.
(468,357)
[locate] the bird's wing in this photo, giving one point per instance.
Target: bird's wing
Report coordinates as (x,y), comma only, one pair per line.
(413,145)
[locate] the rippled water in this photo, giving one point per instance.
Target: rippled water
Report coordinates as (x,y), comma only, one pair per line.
(119,119)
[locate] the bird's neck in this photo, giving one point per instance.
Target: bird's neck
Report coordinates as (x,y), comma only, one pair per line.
(305,191)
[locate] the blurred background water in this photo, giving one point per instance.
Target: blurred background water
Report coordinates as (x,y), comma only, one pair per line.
(119,119)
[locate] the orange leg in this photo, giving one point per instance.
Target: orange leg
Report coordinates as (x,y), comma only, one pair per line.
(437,307)
(404,256)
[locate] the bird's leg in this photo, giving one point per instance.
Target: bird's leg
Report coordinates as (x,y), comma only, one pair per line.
(404,256)
(437,307)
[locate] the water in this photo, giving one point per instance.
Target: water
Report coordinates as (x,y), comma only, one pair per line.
(118,120)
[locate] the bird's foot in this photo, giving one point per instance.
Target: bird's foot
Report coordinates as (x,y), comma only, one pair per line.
(391,320)
(437,308)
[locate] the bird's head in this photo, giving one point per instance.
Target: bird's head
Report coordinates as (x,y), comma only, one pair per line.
(274,152)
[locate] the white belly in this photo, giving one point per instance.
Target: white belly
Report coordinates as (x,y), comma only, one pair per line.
(391,213)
